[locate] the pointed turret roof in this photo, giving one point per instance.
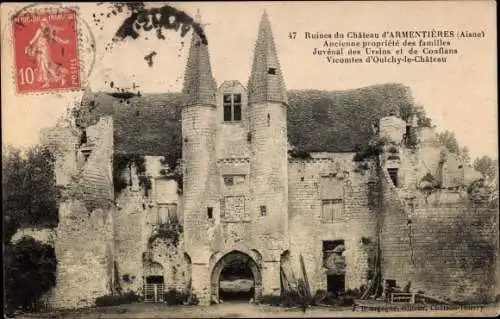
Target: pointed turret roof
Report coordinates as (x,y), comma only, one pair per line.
(266,80)
(199,83)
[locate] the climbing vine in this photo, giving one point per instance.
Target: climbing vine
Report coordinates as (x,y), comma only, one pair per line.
(374,148)
(169,231)
(428,185)
(173,171)
(125,161)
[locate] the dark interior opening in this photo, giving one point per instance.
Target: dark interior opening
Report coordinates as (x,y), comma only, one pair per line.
(335,284)
(154,279)
(83,137)
(332,244)
(210,212)
(390,285)
(263,210)
(236,282)
(237,112)
(227,112)
(271,71)
(393,173)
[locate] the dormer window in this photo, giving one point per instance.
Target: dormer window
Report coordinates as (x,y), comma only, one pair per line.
(232,107)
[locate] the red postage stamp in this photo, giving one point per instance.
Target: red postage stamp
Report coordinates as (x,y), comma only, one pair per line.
(46,51)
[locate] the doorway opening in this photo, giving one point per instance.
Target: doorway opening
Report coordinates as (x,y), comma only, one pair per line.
(335,284)
(236,282)
(236,278)
(154,283)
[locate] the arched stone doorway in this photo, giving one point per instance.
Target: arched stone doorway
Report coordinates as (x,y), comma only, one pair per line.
(154,282)
(240,276)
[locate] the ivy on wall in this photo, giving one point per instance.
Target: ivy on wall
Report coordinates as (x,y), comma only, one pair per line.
(169,231)
(122,162)
(374,148)
(173,171)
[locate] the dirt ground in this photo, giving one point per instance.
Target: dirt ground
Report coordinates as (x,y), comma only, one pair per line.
(242,310)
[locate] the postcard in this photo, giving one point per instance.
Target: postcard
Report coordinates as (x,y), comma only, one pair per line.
(250,159)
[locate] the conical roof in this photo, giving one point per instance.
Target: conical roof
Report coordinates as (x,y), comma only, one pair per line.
(266,80)
(199,83)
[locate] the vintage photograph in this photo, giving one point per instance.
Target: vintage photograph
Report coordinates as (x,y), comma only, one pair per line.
(250,159)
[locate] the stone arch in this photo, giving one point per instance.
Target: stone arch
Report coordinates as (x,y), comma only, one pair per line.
(154,282)
(154,269)
(225,261)
(257,256)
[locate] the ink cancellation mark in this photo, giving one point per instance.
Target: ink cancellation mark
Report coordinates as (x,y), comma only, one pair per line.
(46,50)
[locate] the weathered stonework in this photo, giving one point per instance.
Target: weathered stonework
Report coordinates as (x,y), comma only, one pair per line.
(244,195)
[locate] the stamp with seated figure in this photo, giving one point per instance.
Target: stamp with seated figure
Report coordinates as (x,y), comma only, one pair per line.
(46,51)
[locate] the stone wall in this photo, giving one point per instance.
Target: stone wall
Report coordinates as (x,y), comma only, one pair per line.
(308,231)
(63,141)
(176,265)
(268,173)
(44,235)
(130,239)
(84,255)
(393,128)
(445,250)
(232,136)
(136,218)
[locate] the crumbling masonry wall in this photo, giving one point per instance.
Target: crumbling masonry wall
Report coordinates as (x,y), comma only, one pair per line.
(448,251)
(307,230)
(84,236)
(84,256)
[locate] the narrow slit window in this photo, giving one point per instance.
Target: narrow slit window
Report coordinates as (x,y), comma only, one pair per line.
(263,210)
(83,137)
(210,212)
(271,71)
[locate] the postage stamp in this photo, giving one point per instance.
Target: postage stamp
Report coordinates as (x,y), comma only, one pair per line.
(46,51)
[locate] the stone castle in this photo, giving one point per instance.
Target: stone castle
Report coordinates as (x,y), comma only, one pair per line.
(349,221)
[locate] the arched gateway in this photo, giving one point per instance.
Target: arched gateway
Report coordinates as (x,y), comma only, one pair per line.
(236,267)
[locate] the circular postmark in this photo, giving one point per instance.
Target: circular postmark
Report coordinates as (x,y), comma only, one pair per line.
(53,48)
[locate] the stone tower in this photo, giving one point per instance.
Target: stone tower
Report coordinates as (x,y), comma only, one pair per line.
(200,189)
(267,105)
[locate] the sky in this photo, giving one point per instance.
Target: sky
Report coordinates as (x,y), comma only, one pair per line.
(460,96)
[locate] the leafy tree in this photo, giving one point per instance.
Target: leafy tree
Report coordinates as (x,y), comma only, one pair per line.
(30,271)
(28,189)
(448,140)
(487,166)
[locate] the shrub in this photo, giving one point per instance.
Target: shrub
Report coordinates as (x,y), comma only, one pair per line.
(346,301)
(319,296)
(355,293)
(174,297)
(374,148)
(272,300)
(30,271)
(114,300)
